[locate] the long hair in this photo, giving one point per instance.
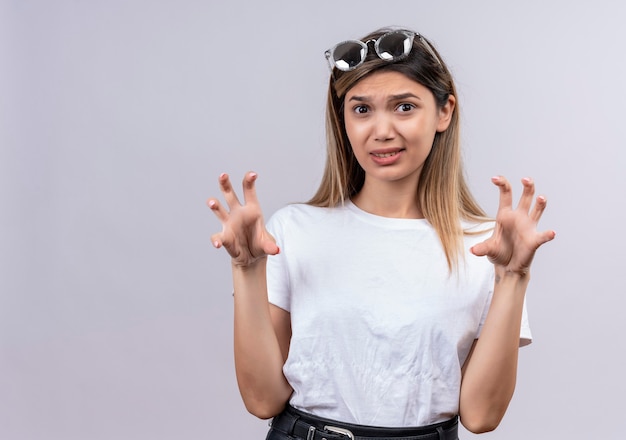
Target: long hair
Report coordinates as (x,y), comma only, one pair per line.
(442,193)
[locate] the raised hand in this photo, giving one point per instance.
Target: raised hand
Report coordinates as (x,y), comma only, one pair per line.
(243,233)
(515,238)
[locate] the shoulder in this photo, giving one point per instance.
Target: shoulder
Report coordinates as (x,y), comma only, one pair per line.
(298,211)
(299,215)
(475,231)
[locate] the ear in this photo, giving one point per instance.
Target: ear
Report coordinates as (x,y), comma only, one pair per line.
(445,114)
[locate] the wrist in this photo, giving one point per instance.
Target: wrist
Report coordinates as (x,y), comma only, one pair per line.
(249,281)
(251,266)
(504,273)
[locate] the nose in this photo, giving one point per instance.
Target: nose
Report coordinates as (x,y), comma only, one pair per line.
(384,129)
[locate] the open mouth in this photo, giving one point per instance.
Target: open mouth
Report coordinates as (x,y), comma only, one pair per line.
(385,154)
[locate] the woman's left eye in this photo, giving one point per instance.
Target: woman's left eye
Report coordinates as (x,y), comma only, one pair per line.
(405,107)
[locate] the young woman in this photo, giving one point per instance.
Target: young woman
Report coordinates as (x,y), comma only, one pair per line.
(368,312)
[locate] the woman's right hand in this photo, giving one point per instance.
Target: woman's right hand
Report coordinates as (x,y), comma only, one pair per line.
(243,234)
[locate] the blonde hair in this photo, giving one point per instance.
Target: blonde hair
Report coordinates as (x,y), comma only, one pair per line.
(442,193)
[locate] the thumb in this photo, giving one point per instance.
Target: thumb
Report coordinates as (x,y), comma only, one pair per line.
(271,248)
(545,237)
(480,249)
(269,244)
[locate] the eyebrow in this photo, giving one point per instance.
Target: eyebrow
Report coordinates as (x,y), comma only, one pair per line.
(391,98)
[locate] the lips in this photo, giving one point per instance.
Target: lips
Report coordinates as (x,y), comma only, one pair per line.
(386,156)
(385,152)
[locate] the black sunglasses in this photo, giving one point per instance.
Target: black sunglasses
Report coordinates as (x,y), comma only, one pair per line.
(391,46)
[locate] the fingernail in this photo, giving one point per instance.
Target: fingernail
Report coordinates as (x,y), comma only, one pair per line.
(222,175)
(211,203)
(253,175)
(216,244)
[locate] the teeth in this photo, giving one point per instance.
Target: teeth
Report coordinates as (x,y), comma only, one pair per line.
(385,154)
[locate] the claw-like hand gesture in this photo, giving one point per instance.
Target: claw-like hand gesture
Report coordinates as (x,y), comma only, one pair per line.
(515,238)
(243,231)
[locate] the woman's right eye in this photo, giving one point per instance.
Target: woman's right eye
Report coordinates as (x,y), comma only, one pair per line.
(361,109)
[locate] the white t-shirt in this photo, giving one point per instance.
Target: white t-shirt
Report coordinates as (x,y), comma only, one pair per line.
(380,328)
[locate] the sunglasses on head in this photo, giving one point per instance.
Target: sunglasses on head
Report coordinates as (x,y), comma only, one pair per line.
(391,46)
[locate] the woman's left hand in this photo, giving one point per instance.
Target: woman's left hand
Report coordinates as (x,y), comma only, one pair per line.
(515,238)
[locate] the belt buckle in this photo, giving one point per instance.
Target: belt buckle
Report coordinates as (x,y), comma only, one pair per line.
(341,431)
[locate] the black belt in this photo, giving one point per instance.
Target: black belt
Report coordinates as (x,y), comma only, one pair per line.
(306,426)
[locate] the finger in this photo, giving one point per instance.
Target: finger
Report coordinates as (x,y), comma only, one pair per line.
(545,237)
(540,206)
(249,190)
(506,195)
(269,245)
(227,190)
(216,240)
(527,195)
(271,248)
(217,209)
(480,249)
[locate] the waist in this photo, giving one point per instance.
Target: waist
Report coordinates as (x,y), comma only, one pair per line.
(307,426)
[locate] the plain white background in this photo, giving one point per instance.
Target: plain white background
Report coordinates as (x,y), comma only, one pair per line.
(116,117)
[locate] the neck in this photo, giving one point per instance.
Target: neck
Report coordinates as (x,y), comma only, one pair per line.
(389,199)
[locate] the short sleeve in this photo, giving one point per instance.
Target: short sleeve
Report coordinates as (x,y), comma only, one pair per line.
(526,336)
(525,333)
(278,291)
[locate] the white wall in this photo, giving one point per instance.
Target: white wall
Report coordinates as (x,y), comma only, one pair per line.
(116,118)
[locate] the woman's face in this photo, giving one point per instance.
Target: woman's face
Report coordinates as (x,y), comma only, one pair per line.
(391,122)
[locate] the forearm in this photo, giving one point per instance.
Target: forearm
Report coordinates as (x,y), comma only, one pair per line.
(258,357)
(490,372)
